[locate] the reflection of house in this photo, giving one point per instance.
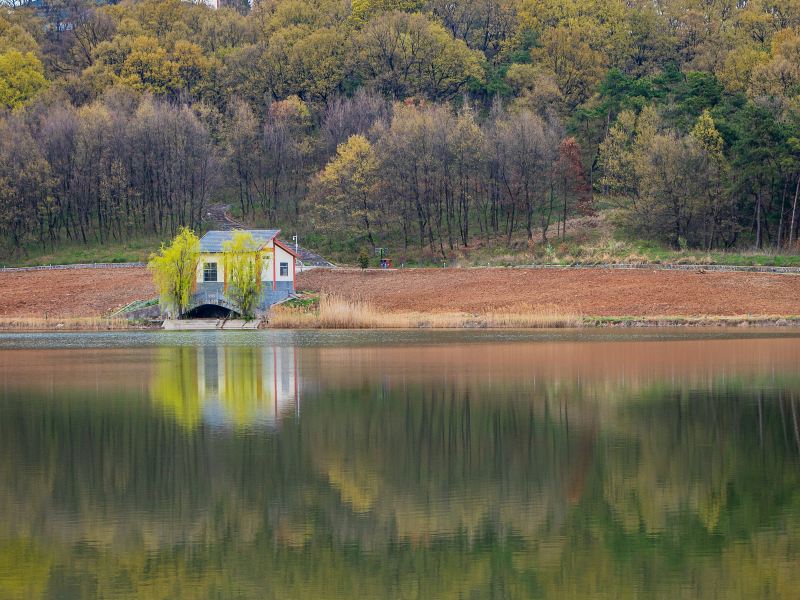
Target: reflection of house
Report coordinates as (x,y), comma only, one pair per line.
(276,265)
(246,386)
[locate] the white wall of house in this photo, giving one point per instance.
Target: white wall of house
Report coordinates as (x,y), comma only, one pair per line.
(266,264)
(282,257)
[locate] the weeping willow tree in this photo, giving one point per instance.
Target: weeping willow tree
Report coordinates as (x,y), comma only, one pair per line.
(243,269)
(174,269)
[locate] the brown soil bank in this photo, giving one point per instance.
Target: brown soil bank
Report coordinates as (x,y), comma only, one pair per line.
(587,292)
(72,292)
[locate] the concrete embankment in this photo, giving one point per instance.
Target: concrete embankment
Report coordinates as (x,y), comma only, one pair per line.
(210,324)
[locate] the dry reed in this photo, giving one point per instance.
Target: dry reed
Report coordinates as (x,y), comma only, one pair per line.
(335,312)
(62,324)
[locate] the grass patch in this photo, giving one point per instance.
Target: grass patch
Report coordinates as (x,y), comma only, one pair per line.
(305,302)
(136,250)
(588,241)
(695,321)
(335,312)
(63,324)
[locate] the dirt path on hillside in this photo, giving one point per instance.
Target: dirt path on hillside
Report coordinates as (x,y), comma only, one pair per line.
(587,292)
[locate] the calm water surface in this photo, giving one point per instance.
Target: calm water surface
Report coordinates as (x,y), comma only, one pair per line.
(359,465)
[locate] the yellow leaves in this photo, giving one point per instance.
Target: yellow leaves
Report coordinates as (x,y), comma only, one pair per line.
(616,157)
(363,10)
(14,37)
(147,67)
(577,66)
(452,65)
(407,54)
(21,78)
(192,66)
(603,22)
(776,79)
(174,270)
(292,111)
(243,271)
(145,63)
(536,87)
(343,190)
(318,62)
(786,43)
(707,135)
(755,23)
(360,11)
(738,67)
(354,159)
(288,14)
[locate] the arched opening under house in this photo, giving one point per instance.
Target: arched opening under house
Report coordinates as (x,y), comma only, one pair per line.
(211,311)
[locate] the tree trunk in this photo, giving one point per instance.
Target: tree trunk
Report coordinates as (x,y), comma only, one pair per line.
(780,221)
(758,221)
(794,212)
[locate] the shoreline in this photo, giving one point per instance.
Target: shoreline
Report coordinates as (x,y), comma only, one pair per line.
(623,322)
(468,322)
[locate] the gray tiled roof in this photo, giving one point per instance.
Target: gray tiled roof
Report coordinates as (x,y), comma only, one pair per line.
(213,240)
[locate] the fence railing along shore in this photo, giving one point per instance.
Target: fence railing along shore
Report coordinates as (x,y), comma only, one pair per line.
(126,265)
(670,267)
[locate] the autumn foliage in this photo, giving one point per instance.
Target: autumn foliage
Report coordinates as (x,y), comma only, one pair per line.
(402,122)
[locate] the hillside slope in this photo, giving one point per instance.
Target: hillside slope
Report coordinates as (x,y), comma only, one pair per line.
(587,292)
(72,292)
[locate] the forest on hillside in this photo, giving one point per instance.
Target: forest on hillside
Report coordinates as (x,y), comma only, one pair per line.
(427,124)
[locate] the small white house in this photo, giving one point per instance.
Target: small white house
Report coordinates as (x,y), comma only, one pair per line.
(278,265)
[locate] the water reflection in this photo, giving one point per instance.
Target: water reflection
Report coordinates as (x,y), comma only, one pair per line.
(227,386)
(568,470)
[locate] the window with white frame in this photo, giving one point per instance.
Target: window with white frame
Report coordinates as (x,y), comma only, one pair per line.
(210,271)
(284,269)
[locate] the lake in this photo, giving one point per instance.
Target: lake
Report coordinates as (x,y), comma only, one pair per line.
(403,464)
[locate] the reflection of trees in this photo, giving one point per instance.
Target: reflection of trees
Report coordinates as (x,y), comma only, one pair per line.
(175,384)
(404,491)
(428,463)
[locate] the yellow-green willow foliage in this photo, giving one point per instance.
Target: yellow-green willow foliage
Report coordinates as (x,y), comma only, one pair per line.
(174,269)
(243,271)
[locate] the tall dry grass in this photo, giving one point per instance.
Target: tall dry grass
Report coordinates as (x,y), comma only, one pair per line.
(64,324)
(336,312)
